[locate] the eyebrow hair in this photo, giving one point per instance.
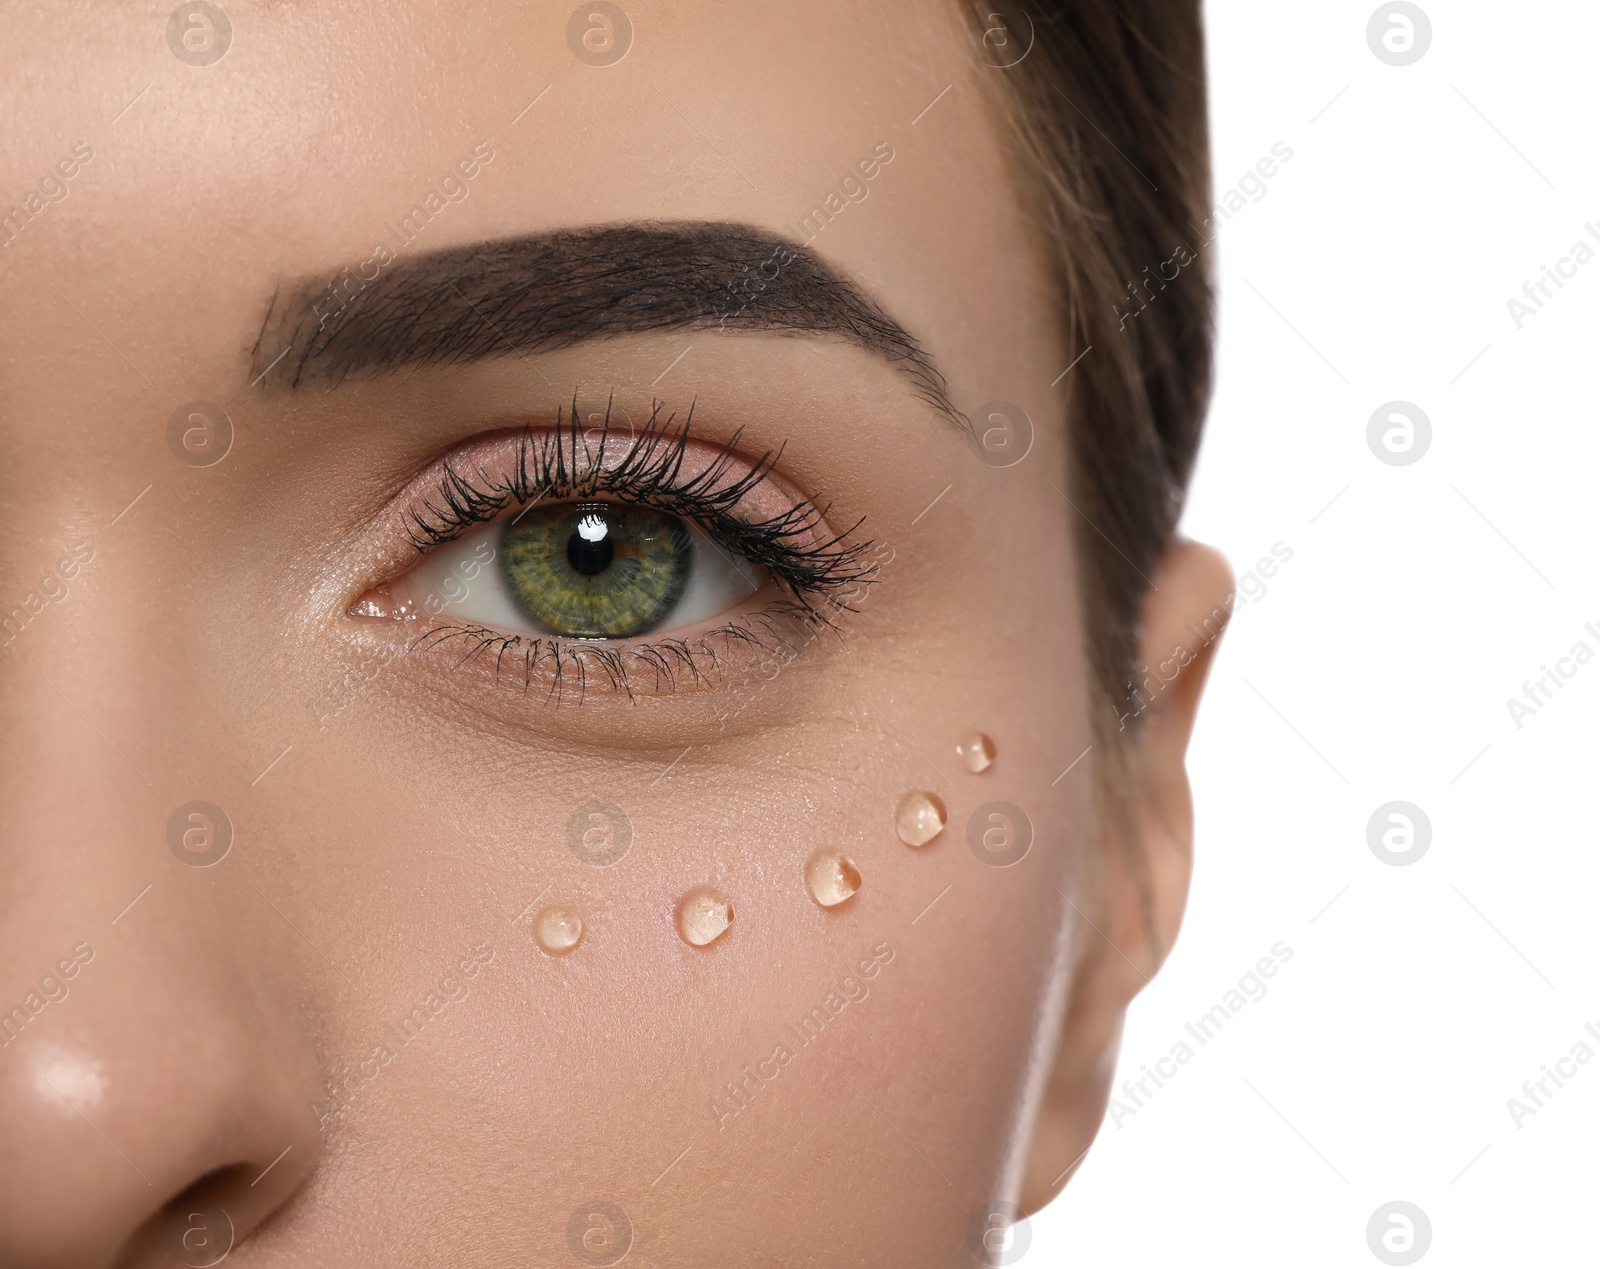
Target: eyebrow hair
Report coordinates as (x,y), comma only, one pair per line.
(555,290)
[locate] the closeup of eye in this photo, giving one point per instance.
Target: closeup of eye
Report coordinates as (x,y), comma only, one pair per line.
(546,547)
(582,570)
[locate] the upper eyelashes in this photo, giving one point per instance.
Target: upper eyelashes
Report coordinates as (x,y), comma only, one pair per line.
(648,468)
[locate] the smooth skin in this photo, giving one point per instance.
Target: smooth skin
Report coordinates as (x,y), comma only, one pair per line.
(384,847)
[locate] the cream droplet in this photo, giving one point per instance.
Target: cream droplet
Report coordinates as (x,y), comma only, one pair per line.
(831,877)
(557,930)
(977,751)
(919,819)
(703,916)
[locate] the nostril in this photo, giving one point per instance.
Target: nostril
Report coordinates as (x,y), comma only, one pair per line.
(200,1225)
(168,1134)
(207,1220)
(196,1226)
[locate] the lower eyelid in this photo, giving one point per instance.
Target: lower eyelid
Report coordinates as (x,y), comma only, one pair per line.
(732,663)
(738,651)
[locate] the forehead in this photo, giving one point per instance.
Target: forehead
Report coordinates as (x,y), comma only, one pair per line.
(326,133)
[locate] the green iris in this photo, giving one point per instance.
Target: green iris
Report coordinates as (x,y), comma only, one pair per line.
(597,570)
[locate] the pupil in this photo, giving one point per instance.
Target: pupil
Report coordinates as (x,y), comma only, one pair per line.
(589,550)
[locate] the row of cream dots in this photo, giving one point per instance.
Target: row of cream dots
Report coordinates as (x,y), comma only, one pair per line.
(704,915)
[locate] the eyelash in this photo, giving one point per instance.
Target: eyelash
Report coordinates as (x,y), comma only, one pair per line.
(821,578)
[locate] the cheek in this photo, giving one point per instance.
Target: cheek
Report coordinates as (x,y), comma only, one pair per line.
(973,626)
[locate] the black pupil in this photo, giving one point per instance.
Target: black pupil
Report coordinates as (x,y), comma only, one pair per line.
(590,557)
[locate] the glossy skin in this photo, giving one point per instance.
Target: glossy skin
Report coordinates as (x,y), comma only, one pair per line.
(397,821)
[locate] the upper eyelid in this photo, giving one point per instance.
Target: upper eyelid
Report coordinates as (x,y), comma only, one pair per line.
(557,471)
(794,542)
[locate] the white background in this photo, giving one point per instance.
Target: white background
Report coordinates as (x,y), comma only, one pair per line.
(1378,665)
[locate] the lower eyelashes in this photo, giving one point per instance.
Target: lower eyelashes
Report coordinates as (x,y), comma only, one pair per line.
(741,652)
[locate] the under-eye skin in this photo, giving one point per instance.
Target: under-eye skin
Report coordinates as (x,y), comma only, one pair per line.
(581,557)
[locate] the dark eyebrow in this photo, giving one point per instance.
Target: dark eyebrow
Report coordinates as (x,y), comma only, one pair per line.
(553,290)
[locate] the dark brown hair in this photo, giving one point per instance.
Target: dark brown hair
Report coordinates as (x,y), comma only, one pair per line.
(1107,106)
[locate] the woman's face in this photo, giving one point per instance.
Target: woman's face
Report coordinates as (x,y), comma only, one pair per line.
(269,408)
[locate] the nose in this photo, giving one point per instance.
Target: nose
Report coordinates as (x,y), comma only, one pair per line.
(156,1079)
